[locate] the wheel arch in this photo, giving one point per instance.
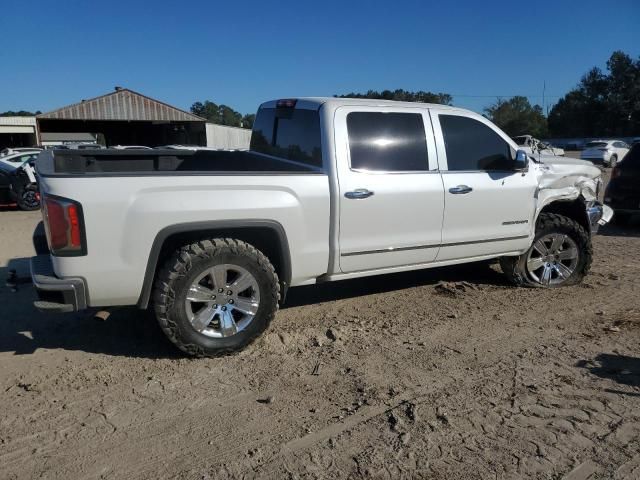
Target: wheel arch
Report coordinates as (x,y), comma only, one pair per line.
(268,236)
(575,209)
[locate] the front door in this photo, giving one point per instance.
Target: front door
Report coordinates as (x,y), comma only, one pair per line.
(391,195)
(489,206)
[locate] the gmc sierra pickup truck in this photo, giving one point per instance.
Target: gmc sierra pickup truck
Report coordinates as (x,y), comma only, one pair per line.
(330,189)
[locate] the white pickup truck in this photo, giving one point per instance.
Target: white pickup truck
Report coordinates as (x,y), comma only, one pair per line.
(331,189)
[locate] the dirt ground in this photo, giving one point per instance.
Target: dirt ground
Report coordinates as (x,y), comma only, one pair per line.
(385,377)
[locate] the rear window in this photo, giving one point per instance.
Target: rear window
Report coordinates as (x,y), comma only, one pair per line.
(289,133)
(596,144)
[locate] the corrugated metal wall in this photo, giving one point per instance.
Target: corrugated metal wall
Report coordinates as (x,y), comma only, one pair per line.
(220,136)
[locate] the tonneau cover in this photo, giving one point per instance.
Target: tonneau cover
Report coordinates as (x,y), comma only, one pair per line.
(112,162)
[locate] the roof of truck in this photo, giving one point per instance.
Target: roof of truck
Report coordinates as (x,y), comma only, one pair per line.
(336,101)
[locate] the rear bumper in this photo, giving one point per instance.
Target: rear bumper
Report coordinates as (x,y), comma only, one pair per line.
(56,294)
(598,215)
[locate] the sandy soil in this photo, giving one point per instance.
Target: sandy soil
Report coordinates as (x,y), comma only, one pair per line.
(386,377)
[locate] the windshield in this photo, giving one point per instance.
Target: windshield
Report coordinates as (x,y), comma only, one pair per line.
(596,144)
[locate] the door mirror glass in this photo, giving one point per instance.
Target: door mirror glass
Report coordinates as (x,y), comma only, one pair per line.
(521,162)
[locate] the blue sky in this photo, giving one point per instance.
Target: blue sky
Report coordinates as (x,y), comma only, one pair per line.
(241,53)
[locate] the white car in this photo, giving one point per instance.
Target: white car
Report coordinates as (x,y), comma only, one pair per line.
(19,156)
(532,145)
(12,151)
(130,147)
(605,152)
(331,189)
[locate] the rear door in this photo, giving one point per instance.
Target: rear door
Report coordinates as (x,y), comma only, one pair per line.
(489,207)
(391,195)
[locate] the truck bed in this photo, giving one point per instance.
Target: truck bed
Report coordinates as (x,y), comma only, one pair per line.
(109,162)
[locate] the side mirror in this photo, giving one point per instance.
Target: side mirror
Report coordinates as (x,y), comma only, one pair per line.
(521,162)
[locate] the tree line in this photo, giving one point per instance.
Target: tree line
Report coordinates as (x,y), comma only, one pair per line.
(602,104)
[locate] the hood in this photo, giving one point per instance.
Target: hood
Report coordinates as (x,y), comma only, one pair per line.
(568,177)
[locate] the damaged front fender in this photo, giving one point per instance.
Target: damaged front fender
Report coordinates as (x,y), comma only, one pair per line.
(563,179)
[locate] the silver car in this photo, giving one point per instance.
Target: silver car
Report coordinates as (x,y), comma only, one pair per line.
(606,152)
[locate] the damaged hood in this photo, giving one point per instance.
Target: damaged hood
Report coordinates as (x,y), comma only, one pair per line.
(565,178)
(568,178)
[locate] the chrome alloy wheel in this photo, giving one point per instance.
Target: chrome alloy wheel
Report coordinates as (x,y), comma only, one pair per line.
(222,301)
(552,259)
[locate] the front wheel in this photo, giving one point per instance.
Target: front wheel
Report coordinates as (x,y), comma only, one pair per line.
(613,161)
(560,255)
(216,296)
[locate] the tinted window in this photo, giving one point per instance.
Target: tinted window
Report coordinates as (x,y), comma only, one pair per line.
(293,134)
(472,145)
(392,142)
(596,144)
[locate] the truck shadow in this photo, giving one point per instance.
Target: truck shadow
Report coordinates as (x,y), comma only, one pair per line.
(131,332)
(622,369)
(479,273)
(127,332)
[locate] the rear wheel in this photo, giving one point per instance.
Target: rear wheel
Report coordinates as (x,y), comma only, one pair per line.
(560,255)
(613,161)
(216,296)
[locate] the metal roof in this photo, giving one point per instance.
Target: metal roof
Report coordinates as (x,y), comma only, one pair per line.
(122,104)
(18,121)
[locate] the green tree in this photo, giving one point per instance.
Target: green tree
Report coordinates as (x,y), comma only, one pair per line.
(603,104)
(403,96)
(517,116)
(19,113)
(248,120)
(220,114)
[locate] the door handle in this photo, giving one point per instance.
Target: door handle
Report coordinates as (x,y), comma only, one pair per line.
(460,189)
(358,193)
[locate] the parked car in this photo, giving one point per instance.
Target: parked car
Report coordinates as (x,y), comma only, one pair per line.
(130,147)
(13,151)
(635,141)
(83,146)
(575,146)
(16,159)
(545,147)
(623,192)
(605,152)
(332,189)
(531,144)
(18,185)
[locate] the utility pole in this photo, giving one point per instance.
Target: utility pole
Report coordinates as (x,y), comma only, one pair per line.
(544,88)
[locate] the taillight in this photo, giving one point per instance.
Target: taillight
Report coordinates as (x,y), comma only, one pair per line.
(63,222)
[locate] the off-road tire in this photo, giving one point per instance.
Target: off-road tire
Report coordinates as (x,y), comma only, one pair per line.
(23,201)
(176,275)
(515,267)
